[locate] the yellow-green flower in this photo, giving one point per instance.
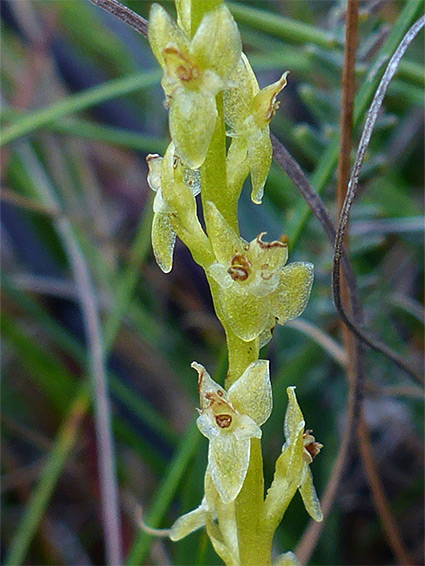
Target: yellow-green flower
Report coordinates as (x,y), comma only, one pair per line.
(195,71)
(180,185)
(256,288)
(248,112)
(229,419)
(293,467)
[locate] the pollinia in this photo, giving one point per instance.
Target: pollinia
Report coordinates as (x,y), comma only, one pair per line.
(212,94)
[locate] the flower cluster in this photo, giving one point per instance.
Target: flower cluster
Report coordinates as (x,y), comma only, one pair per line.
(229,430)
(211,92)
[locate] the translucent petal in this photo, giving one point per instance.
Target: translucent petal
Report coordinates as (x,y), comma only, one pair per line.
(237,165)
(219,273)
(294,419)
(270,257)
(251,394)
(192,178)
(207,385)
(159,204)
(163,31)
(310,499)
(287,559)
(237,101)
(189,522)
(260,154)
(264,104)
(228,459)
(246,314)
(246,427)
(217,540)
(167,169)
(217,43)
(163,241)
(154,162)
(267,333)
(224,240)
(263,283)
(193,115)
(176,193)
(207,426)
(291,297)
(287,478)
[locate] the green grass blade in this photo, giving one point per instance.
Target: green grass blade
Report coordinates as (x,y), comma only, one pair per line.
(166,493)
(171,482)
(76,103)
(329,160)
(56,459)
(284,28)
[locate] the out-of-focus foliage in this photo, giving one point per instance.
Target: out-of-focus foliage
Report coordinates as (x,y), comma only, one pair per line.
(98,86)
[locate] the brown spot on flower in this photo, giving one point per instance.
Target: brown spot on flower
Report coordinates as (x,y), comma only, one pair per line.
(264,276)
(310,445)
(216,401)
(200,378)
(185,71)
(268,245)
(240,268)
(273,108)
(223,421)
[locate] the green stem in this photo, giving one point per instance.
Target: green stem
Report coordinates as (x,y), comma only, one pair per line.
(255,544)
(241,354)
(249,503)
(214,174)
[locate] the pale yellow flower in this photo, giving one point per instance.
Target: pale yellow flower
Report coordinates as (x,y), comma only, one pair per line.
(195,71)
(256,287)
(229,419)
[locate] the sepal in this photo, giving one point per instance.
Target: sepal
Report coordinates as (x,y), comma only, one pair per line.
(292,468)
(162,32)
(293,292)
(163,241)
(217,44)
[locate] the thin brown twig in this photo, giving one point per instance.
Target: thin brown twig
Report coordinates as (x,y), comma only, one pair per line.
(308,539)
(297,175)
(379,497)
(354,181)
(350,340)
(97,368)
(126,15)
(355,363)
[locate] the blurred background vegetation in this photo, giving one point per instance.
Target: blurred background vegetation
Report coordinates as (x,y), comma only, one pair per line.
(82,107)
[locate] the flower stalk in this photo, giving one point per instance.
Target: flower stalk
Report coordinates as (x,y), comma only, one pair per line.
(213,95)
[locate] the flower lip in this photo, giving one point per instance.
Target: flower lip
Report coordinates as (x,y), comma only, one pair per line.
(224,421)
(282,243)
(311,447)
(184,68)
(240,268)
